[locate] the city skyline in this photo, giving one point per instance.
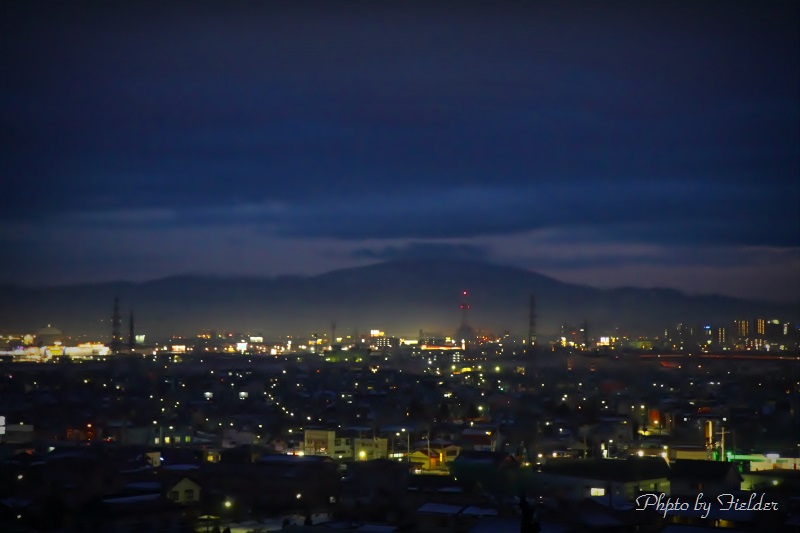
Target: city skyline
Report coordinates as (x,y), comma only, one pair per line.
(649,146)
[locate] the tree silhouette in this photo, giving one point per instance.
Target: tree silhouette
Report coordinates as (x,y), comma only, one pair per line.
(443,413)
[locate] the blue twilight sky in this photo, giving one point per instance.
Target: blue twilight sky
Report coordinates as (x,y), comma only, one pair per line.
(606,143)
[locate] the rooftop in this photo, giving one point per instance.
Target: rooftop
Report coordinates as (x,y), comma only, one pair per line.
(619,470)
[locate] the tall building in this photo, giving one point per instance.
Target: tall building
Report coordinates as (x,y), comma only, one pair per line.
(742,328)
(722,336)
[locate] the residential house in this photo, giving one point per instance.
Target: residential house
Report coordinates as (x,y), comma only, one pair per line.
(450,518)
(494,471)
(485,439)
(332,444)
(367,449)
(690,477)
(184,492)
(446,450)
(424,459)
(275,482)
(575,480)
(147,512)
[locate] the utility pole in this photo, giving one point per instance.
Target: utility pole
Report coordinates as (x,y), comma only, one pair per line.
(722,433)
(408,444)
(430,465)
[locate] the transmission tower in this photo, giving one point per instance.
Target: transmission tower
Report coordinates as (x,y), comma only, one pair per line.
(131,335)
(116,325)
(532,325)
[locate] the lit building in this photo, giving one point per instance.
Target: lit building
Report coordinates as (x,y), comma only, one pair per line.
(385,342)
(722,336)
(367,449)
(439,351)
(327,442)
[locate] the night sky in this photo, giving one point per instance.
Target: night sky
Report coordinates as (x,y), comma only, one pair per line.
(638,144)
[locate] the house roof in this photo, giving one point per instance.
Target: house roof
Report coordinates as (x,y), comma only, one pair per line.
(511,525)
(283,459)
(618,470)
(694,469)
(422,453)
(440,508)
(480,457)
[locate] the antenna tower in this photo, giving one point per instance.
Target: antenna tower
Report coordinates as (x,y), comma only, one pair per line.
(464,311)
(131,336)
(532,324)
(116,324)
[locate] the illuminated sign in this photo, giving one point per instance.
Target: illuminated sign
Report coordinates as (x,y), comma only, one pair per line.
(56,350)
(435,347)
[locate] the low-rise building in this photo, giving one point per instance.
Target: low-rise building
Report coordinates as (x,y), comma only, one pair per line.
(691,477)
(575,480)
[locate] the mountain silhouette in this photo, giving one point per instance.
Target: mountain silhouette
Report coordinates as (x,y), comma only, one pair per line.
(400,297)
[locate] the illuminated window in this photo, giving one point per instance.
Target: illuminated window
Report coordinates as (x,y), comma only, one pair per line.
(167,440)
(594,491)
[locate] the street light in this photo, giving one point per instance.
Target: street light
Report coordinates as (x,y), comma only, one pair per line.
(408,444)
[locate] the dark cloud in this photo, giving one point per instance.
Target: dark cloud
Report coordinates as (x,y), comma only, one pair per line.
(424,250)
(284,103)
(715,257)
(672,125)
